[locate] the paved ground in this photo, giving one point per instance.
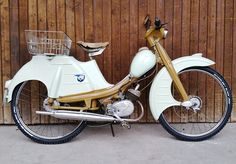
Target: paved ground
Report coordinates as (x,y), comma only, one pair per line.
(143,143)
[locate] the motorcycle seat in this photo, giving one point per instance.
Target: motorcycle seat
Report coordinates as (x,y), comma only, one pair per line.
(93,49)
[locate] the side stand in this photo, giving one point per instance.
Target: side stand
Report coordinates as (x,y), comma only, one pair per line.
(112,130)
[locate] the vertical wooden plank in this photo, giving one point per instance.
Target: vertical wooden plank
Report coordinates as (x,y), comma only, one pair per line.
(14,36)
(115,24)
(124,39)
(202,49)
(107,63)
(169,6)
(23,25)
(60,16)
(6,57)
(42,25)
(177,43)
(186,28)
(160,6)
(70,23)
(51,15)
(228,41)
(26,104)
(233,73)
(177,26)
(151,11)
(143,6)
(133,44)
(79,28)
(219,54)
(33,25)
(33,15)
(160,13)
(211,54)
(193,80)
(51,26)
(185,46)
(97,19)
(42,14)
(1,82)
(88,22)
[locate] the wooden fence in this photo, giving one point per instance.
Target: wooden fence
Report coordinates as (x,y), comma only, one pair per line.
(207,26)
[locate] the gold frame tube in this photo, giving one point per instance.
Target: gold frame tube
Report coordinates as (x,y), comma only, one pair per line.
(153,36)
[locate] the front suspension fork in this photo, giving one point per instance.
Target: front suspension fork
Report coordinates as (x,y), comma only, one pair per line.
(170,68)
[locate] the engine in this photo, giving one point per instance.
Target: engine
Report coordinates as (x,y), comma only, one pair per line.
(122,108)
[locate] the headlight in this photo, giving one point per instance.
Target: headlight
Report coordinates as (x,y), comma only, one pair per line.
(165,33)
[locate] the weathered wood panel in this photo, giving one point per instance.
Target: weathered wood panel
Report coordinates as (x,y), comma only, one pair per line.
(206,26)
(6,53)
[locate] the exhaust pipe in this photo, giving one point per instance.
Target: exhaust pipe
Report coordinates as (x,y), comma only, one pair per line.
(73,115)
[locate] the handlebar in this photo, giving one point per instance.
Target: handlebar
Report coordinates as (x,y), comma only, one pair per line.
(157,23)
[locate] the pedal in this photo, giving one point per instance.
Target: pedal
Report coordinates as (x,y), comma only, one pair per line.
(125,124)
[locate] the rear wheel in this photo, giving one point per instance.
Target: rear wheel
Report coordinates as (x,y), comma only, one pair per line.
(213,105)
(28,97)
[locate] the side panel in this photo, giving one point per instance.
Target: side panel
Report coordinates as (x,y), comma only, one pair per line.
(60,75)
(160,96)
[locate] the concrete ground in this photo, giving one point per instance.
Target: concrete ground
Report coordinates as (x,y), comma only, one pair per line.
(143,143)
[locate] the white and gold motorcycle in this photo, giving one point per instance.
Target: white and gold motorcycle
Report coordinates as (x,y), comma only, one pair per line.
(53,96)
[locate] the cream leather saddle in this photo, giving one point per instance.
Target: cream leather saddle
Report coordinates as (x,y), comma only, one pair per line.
(93,49)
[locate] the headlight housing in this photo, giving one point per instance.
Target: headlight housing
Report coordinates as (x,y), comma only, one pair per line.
(165,33)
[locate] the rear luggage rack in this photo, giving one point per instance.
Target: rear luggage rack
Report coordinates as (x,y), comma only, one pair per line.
(47,42)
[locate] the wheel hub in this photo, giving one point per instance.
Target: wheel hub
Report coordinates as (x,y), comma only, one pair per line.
(196,103)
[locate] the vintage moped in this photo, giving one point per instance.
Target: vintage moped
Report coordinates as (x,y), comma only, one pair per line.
(54,96)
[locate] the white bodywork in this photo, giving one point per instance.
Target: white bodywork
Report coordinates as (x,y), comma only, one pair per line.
(160,97)
(143,61)
(58,75)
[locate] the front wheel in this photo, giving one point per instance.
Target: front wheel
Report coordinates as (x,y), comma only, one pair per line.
(213,105)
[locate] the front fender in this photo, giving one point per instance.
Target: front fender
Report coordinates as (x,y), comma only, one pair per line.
(160,97)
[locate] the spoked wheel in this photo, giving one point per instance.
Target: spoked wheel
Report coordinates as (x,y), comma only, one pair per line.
(212,107)
(28,97)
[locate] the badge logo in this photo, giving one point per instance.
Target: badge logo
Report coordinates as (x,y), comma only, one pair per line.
(80,77)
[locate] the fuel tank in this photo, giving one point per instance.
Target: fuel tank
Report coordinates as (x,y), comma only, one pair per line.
(143,61)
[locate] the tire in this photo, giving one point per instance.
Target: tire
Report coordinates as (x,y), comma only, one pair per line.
(40,128)
(189,125)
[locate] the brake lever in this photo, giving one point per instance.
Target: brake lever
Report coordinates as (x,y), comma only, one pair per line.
(147,22)
(163,25)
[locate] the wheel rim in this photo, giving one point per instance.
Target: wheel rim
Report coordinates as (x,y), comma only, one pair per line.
(205,121)
(44,127)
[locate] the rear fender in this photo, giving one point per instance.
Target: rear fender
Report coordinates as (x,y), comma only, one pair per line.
(160,97)
(34,71)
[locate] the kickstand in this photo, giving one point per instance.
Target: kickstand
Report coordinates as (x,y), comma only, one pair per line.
(112,130)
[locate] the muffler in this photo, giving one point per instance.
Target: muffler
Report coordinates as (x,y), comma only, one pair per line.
(73,115)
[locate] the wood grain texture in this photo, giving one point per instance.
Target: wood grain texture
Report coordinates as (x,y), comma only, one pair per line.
(206,26)
(6,53)
(228,42)
(1,82)
(142,8)
(233,73)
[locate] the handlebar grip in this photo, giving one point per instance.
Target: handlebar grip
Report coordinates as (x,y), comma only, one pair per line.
(157,23)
